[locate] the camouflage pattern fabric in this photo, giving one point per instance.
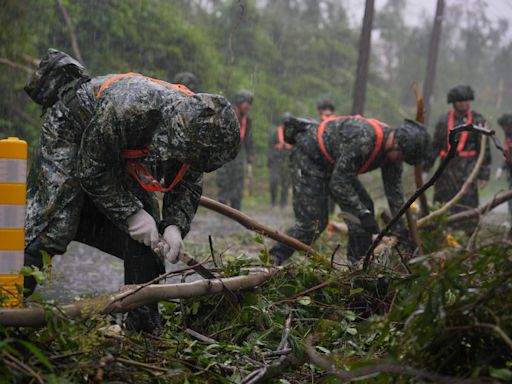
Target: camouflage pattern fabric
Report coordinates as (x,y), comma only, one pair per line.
(350,143)
(79,155)
(459,168)
(278,163)
(230,178)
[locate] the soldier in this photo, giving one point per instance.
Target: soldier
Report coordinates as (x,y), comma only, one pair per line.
(188,79)
(505,121)
(278,155)
(325,109)
(468,151)
(327,159)
(230,178)
(105,145)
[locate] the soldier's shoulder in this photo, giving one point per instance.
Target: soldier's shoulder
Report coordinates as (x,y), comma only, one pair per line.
(478,116)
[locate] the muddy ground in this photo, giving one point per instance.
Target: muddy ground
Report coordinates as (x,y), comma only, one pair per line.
(85,271)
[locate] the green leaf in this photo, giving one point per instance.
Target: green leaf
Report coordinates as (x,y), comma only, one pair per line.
(351,331)
(355,291)
(304,300)
(501,373)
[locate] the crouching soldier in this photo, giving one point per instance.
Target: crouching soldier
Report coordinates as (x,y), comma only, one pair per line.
(505,121)
(327,159)
(106,145)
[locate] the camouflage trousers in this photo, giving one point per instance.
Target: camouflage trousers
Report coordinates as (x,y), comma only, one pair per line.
(450,183)
(230,182)
(310,204)
(279,181)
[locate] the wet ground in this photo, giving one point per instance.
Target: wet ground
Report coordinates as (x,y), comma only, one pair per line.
(86,271)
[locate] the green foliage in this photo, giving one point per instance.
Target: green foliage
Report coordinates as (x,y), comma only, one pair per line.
(450,316)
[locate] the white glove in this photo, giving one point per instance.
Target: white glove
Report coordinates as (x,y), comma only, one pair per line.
(249,171)
(174,242)
(499,173)
(142,228)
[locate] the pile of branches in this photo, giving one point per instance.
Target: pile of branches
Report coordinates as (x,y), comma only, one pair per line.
(447,317)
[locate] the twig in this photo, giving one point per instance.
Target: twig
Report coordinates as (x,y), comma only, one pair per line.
(305,292)
(15,65)
(329,367)
(272,370)
(334,254)
(24,367)
(198,336)
(475,212)
(140,365)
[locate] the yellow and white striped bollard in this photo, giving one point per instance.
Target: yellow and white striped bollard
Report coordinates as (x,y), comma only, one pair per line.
(13,192)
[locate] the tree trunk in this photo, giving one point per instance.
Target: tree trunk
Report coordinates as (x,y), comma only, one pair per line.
(433,53)
(363,60)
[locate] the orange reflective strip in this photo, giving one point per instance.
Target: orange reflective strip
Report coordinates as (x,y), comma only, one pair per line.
(377,127)
(113,79)
(243,127)
(463,136)
(280,137)
(134,168)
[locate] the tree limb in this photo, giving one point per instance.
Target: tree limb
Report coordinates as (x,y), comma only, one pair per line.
(71,30)
(15,65)
(476,212)
(253,225)
(125,300)
(465,187)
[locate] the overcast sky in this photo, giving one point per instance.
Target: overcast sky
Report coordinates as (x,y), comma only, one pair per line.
(419,9)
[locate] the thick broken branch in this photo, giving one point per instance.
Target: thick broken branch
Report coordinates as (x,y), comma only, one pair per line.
(125,300)
(71,30)
(467,184)
(253,225)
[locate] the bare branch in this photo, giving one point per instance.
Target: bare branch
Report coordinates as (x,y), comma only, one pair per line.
(71,30)
(123,300)
(15,65)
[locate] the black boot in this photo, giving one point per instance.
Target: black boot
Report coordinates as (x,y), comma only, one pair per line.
(145,319)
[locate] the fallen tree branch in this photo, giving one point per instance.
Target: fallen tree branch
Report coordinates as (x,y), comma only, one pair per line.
(71,30)
(251,224)
(379,368)
(124,300)
(465,188)
(476,212)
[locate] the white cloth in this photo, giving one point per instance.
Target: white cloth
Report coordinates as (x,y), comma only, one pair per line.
(173,243)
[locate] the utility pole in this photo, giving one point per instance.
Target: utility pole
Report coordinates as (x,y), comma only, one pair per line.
(363,60)
(433,53)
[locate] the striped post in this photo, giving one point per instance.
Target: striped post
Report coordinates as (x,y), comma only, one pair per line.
(13,171)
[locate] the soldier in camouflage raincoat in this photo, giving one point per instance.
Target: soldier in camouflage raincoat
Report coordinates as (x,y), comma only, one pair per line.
(468,150)
(505,121)
(328,157)
(278,157)
(230,178)
(106,143)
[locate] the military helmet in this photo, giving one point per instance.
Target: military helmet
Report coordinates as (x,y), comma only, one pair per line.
(460,93)
(188,79)
(414,141)
(243,96)
(325,104)
(201,130)
(505,120)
